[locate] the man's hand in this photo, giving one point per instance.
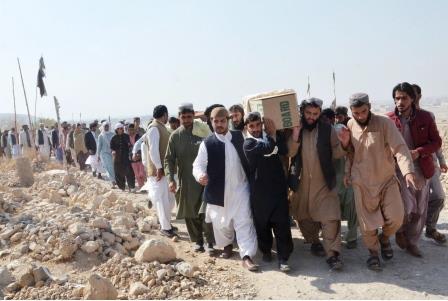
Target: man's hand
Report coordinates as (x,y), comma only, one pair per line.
(269,127)
(443,168)
(411,181)
(344,137)
(160,174)
(296,132)
(414,154)
(173,186)
(134,157)
(203,180)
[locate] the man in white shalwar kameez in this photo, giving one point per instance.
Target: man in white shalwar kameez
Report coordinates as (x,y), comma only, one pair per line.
(156,138)
(222,167)
(43,143)
(26,142)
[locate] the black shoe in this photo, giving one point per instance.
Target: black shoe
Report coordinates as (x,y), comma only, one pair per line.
(174,228)
(351,244)
(335,263)
(317,249)
(94,173)
(199,248)
(168,233)
(267,257)
(149,204)
(100,177)
(374,263)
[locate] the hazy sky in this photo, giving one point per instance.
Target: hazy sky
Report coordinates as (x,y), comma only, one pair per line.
(121,58)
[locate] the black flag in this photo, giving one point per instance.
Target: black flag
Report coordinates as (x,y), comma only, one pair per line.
(40,78)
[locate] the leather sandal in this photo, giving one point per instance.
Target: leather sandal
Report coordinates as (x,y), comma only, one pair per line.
(386,249)
(374,264)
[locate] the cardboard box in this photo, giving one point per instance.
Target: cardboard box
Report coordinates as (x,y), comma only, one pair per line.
(280,106)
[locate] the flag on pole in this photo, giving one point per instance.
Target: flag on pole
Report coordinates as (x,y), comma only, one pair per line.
(333,103)
(57,107)
(308,90)
(40,78)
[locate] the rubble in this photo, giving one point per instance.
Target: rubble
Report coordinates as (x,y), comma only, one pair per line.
(103,239)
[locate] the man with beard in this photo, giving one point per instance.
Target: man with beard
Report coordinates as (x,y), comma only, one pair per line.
(315,201)
(174,123)
(221,166)
(183,147)
(345,193)
(268,188)
(422,138)
(436,194)
(120,146)
(376,148)
(237,118)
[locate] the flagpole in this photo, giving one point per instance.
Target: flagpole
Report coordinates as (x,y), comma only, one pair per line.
(26,99)
(15,112)
(27,107)
(308,92)
(35,109)
(333,104)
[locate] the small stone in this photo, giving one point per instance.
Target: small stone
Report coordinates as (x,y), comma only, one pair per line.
(6,277)
(76,228)
(67,248)
(99,288)
(39,284)
(185,269)
(24,275)
(108,237)
(41,274)
(100,223)
(12,287)
(138,289)
(90,246)
(155,249)
(161,273)
(16,237)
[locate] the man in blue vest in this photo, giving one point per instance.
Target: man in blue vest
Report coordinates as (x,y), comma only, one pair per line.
(222,167)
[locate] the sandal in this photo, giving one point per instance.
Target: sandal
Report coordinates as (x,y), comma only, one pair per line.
(386,249)
(436,235)
(374,264)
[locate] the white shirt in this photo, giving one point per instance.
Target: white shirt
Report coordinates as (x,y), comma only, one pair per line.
(152,138)
(236,187)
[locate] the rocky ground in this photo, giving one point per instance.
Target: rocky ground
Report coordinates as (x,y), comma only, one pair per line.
(69,236)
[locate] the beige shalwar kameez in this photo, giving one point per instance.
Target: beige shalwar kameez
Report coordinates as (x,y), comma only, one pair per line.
(313,204)
(372,172)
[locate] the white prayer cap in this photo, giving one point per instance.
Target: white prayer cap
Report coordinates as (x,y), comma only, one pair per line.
(186,106)
(119,125)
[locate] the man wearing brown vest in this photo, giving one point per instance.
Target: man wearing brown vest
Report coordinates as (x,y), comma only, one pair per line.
(156,138)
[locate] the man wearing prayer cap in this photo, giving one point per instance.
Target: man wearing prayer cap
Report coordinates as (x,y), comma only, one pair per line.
(222,167)
(376,148)
(183,147)
(314,203)
(156,140)
(120,145)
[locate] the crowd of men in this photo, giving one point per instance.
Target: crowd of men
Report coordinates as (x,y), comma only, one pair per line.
(237,176)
